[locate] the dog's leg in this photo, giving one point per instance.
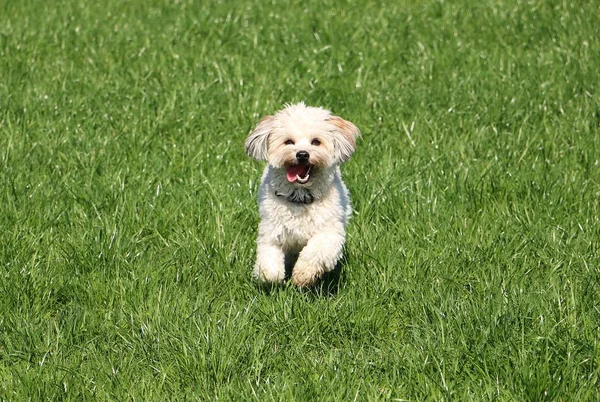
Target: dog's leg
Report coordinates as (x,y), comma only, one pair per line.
(270,266)
(320,255)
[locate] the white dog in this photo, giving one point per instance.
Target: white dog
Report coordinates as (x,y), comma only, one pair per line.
(304,205)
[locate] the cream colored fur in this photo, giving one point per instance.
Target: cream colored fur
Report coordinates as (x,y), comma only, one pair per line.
(303,224)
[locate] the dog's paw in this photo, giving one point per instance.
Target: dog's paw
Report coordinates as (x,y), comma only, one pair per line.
(268,276)
(305,275)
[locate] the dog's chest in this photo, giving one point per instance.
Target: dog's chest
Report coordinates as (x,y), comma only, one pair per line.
(295,224)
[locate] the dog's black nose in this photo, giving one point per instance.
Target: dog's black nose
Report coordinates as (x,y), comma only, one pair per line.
(302,156)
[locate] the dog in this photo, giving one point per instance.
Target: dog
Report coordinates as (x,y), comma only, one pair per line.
(304,205)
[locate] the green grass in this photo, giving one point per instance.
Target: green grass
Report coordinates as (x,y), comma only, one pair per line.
(128,207)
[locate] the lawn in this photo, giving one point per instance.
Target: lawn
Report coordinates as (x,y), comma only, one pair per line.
(129,217)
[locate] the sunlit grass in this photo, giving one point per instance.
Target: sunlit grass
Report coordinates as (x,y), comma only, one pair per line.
(128,207)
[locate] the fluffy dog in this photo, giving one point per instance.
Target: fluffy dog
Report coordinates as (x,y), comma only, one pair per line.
(304,205)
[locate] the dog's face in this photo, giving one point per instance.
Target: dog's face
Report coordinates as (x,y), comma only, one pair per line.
(302,140)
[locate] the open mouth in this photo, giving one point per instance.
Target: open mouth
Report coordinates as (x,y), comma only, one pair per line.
(299,173)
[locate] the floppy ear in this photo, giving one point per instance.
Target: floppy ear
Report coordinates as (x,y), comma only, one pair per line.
(344,138)
(257,141)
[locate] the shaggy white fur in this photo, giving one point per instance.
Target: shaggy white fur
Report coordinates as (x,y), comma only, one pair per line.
(304,205)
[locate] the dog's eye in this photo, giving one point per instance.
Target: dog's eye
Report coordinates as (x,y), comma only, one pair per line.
(316,142)
(289,142)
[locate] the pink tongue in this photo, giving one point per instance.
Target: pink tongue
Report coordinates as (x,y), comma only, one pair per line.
(297,170)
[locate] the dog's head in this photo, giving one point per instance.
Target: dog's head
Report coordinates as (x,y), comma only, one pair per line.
(300,139)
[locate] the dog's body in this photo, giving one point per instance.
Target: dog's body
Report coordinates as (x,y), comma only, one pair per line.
(304,205)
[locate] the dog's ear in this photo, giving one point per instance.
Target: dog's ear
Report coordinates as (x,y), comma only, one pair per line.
(257,141)
(345,134)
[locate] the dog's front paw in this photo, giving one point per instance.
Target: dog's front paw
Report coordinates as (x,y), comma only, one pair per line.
(268,275)
(305,274)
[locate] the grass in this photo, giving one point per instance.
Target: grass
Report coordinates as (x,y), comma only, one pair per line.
(128,206)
